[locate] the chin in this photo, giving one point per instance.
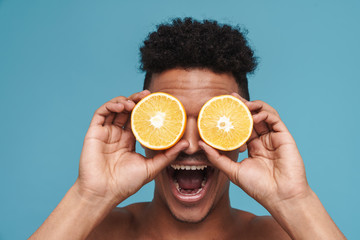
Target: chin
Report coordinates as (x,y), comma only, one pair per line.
(190,219)
(193,215)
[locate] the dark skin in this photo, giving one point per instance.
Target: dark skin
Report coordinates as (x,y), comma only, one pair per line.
(243,225)
(156,220)
(110,171)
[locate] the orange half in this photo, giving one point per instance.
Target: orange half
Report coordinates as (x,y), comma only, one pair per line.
(158,121)
(225,123)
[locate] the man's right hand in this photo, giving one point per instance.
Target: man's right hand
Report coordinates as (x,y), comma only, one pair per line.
(110,171)
(109,166)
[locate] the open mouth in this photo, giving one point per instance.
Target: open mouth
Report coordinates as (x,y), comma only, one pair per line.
(189,182)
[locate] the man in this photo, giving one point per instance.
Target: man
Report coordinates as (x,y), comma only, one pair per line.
(194,61)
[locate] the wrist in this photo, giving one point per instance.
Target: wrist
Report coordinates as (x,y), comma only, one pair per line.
(85,210)
(89,199)
(298,200)
(283,210)
(304,217)
(76,215)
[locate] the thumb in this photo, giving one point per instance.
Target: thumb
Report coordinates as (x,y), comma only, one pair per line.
(225,164)
(163,159)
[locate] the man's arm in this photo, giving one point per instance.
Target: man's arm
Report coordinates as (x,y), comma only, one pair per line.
(274,175)
(76,215)
(110,171)
(305,218)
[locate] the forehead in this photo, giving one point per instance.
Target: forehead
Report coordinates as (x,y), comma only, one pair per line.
(193,87)
(194,80)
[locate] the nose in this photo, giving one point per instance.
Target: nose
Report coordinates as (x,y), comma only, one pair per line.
(192,136)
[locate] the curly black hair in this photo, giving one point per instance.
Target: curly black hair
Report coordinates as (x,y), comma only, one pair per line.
(188,43)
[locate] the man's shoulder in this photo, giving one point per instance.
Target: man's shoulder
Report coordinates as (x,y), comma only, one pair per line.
(120,222)
(260,227)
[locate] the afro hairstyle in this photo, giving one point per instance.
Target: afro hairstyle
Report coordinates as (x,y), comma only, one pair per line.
(188,43)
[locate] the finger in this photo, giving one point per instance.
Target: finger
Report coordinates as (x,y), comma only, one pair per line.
(108,119)
(118,99)
(221,162)
(163,159)
(239,97)
(127,125)
(253,135)
(272,121)
(136,97)
(121,118)
(132,98)
(258,106)
(253,106)
(243,148)
(105,111)
(260,126)
(129,105)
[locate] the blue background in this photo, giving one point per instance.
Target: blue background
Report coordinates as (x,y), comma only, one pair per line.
(61,60)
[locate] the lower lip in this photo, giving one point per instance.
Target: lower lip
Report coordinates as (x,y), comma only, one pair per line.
(190,198)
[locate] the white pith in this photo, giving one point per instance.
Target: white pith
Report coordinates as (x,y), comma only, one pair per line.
(158,120)
(225,124)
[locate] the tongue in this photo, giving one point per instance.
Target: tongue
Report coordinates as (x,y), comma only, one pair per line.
(189,179)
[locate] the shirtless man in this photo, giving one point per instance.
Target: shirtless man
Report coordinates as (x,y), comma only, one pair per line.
(193,61)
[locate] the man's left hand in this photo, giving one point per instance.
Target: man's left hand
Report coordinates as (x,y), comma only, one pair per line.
(274,170)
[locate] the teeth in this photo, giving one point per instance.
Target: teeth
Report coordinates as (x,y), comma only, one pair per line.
(189,194)
(187,167)
(202,183)
(177,186)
